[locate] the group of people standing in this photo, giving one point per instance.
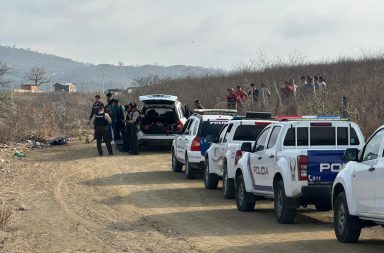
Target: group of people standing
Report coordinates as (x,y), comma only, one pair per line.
(236,98)
(110,123)
(308,85)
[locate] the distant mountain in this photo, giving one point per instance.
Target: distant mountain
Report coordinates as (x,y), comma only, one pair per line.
(89,77)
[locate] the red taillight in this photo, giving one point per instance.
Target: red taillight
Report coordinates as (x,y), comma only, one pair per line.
(179,125)
(195,146)
(302,167)
(238,155)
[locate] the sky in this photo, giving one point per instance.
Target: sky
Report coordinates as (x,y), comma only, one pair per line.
(223,34)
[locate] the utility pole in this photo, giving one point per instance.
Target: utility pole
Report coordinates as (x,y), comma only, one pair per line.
(11,90)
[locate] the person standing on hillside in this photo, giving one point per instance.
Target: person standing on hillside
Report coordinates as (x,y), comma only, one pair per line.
(198,105)
(96,105)
(133,121)
(100,121)
(242,96)
(254,94)
(231,99)
(265,94)
(322,84)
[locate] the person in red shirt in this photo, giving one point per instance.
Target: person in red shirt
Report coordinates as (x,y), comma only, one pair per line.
(231,99)
(242,96)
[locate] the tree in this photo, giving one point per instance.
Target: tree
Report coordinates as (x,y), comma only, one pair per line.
(3,70)
(38,76)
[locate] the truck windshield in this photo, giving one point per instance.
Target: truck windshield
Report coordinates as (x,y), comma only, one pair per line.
(248,132)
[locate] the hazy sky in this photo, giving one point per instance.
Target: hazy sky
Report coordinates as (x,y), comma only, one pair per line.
(215,33)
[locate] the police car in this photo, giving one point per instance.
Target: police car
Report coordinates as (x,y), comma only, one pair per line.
(162,117)
(295,162)
(224,153)
(196,136)
(358,190)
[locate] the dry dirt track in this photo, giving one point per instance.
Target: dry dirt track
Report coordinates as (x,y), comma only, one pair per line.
(77,202)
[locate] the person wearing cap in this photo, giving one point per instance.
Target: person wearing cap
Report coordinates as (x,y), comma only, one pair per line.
(198,105)
(133,122)
(95,106)
(100,122)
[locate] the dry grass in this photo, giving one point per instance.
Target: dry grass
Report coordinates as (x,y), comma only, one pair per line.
(5,215)
(43,115)
(360,80)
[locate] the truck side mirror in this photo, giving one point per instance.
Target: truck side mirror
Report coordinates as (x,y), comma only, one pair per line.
(246,147)
(351,154)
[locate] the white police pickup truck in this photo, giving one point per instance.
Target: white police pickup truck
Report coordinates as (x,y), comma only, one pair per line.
(224,153)
(295,163)
(198,133)
(358,190)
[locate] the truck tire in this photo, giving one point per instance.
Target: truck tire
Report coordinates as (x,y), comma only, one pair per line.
(347,227)
(245,201)
(323,206)
(283,214)
(190,173)
(176,165)
(211,180)
(228,184)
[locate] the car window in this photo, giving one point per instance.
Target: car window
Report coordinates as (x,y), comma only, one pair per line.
(247,132)
(290,137)
(260,142)
(273,137)
(195,127)
(227,132)
(210,128)
(371,150)
(302,136)
(186,126)
(342,136)
(322,136)
(223,133)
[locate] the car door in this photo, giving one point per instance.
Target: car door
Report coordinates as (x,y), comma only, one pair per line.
(379,184)
(218,151)
(269,157)
(181,140)
(363,177)
(258,168)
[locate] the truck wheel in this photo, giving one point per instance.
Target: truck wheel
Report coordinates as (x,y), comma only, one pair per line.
(176,165)
(228,184)
(245,201)
(284,215)
(323,206)
(347,227)
(190,173)
(211,180)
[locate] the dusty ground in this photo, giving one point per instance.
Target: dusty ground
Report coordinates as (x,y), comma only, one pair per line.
(66,199)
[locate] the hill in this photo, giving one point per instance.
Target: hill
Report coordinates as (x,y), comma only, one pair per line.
(89,77)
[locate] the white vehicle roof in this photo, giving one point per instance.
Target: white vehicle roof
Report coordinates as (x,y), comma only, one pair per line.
(216,117)
(250,121)
(158,97)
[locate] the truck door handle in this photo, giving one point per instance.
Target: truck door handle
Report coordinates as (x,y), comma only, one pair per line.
(260,157)
(271,156)
(371,169)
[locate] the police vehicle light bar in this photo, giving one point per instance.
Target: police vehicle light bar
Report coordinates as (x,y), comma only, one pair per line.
(309,117)
(215,112)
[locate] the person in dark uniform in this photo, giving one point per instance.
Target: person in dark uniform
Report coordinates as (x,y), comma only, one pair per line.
(95,106)
(100,122)
(133,121)
(108,109)
(127,131)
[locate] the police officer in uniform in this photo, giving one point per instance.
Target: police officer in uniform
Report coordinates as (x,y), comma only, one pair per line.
(100,122)
(133,121)
(95,106)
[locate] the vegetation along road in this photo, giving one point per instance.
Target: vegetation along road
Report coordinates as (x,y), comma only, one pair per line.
(71,200)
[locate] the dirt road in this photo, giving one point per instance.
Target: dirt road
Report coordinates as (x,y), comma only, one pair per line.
(66,199)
